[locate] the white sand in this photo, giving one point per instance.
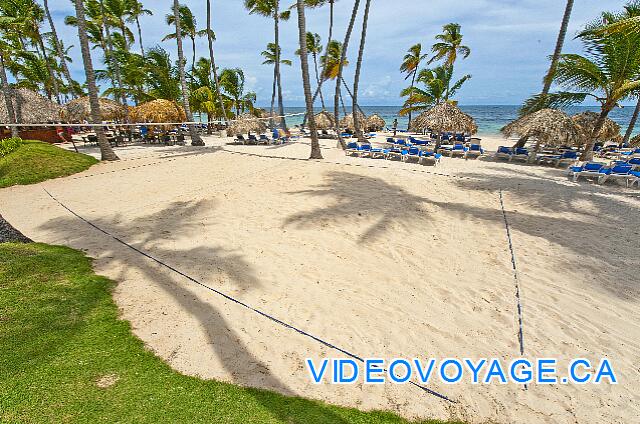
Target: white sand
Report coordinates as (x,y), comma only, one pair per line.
(383,259)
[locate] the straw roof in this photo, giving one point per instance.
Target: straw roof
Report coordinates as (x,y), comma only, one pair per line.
(79,110)
(30,107)
(325,120)
(635,141)
(159,110)
(445,117)
(245,124)
(585,123)
(549,126)
(375,123)
(347,122)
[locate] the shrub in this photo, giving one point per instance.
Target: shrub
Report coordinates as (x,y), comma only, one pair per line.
(8,145)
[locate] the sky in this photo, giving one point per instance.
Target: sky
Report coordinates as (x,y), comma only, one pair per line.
(510,42)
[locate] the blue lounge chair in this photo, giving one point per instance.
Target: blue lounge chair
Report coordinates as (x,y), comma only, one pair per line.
(474,150)
(240,139)
(637,180)
(520,153)
(635,162)
(365,150)
(591,169)
(412,153)
(396,153)
(430,156)
(504,153)
(616,173)
(458,149)
(352,148)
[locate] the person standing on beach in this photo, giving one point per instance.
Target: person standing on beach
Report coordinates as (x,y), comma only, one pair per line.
(395,126)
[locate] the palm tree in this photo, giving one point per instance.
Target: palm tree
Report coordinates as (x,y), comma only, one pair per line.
(356,79)
(449,45)
(188,25)
(161,75)
(105,148)
(271,8)
(304,64)
(135,9)
(343,55)
(410,66)
(6,92)
(314,48)
(214,70)
(232,83)
(319,3)
(270,56)
(609,71)
(195,137)
(58,47)
(439,88)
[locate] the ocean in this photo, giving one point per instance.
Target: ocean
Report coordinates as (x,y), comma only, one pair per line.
(489,118)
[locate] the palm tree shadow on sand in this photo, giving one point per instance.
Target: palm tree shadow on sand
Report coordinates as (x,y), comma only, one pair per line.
(393,205)
(184,218)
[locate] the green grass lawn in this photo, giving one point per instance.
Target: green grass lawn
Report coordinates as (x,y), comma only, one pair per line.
(60,335)
(35,161)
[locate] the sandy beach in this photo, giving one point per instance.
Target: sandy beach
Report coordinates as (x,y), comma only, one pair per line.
(381,258)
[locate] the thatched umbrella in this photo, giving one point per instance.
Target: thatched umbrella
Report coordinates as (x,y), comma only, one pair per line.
(375,123)
(445,117)
(30,107)
(347,122)
(585,123)
(549,126)
(159,110)
(78,110)
(247,124)
(635,141)
(325,120)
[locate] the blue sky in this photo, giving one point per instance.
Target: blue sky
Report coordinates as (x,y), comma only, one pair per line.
(510,41)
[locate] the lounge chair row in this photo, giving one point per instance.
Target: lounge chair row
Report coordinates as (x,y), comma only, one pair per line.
(404,154)
(472,151)
(521,153)
(618,171)
(263,139)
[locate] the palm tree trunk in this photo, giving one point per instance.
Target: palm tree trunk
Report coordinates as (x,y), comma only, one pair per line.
(106,151)
(413,82)
(195,137)
(548,79)
(123,31)
(632,124)
(276,15)
(273,92)
(344,83)
(63,61)
(304,63)
(140,36)
(343,56)
(587,155)
(6,91)
(356,80)
(315,66)
(193,57)
(216,81)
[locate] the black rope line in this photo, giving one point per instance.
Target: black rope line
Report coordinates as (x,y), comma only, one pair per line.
(232,299)
(515,275)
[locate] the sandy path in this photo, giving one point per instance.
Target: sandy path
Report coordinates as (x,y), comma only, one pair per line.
(383,259)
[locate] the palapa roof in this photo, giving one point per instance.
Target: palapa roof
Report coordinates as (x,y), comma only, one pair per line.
(30,107)
(549,126)
(159,110)
(586,121)
(347,122)
(635,141)
(445,117)
(324,120)
(245,124)
(78,110)
(375,122)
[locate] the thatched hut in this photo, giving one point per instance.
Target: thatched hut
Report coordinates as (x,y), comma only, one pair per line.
(635,141)
(159,110)
(375,123)
(548,126)
(78,110)
(30,107)
(325,120)
(246,124)
(586,122)
(444,117)
(348,124)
